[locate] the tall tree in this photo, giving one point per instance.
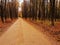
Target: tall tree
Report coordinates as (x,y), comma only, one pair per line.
(2,11)
(52,10)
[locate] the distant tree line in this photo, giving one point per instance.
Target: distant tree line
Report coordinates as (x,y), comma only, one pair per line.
(41,10)
(8,9)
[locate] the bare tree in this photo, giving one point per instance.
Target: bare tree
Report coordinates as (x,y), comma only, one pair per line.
(52,10)
(2,11)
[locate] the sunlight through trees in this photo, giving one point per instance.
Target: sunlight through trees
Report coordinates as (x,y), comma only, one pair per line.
(33,9)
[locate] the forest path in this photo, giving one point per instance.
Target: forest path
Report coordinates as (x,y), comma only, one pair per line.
(22,33)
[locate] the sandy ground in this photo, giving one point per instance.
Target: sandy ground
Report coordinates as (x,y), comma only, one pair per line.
(22,33)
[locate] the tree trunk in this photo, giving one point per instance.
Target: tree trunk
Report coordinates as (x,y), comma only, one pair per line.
(52,10)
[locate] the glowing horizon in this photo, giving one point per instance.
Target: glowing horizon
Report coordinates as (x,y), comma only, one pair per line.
(20,2)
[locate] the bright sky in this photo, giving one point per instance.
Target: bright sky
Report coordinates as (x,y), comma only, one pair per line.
(20,2)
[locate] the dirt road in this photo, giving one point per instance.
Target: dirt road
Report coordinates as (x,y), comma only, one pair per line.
(22,33)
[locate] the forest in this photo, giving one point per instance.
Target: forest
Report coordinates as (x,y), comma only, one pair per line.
(43,15)
(8,10)
(44,10)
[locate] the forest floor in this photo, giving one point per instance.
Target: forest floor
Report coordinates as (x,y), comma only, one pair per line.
(52,31)
(25,32)
(4,26)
